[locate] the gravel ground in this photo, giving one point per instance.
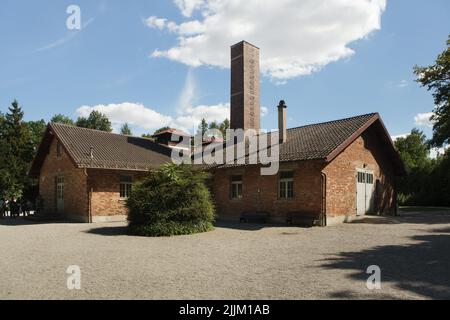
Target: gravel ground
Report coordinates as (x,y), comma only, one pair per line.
(232,262)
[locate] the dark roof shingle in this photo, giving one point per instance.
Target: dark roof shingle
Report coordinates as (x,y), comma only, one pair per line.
(317,141)
(109,150)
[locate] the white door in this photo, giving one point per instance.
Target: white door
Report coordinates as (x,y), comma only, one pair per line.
(364,192)
(60,194)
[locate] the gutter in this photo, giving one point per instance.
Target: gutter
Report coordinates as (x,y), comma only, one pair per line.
(89,204)
(323,211)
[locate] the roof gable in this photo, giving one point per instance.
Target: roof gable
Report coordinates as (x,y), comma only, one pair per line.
(108,150)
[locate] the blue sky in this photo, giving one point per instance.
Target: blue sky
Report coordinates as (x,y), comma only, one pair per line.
(120,62)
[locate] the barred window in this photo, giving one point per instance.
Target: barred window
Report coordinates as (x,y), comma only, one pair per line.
(126,186)
(286,185)
(236,187)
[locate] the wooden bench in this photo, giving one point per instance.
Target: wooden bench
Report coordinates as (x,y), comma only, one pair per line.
(260,217)
(301,219)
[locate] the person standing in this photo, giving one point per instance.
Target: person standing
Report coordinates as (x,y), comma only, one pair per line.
(2,208)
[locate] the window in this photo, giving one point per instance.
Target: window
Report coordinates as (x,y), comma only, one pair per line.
(58,150)
(126,185)
(361,177)
(369,178)
(236,187)
(60,188)
(286,185)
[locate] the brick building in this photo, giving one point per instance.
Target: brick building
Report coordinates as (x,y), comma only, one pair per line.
(329,172)
(86,175)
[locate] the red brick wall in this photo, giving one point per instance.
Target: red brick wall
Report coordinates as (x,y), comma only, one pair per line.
(75,187)
(260,193)
(105,188)
(341,176)
(341,184)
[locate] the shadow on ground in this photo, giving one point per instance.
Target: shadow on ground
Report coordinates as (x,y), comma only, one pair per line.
(412,217)
(21,221)
(109,231)
(422,267)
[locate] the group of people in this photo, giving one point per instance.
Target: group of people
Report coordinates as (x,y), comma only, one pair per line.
(14,208)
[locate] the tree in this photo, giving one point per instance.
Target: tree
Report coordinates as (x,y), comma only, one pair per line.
(203,127)
(171,200)
(125,130)
(147,136)
(161,130)
(413,150)
(437,80)
(60,118)
(96,120)
(37,130)
(16,152)
(224,126)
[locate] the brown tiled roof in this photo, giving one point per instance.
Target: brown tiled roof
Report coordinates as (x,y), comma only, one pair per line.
(318,141)
(324,141)
(109,150)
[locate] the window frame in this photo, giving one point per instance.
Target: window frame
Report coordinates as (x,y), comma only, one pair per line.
(125,186)
(286,185)
(58,150)
(236,193)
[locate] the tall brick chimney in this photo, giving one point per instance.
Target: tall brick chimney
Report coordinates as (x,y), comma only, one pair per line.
(245,100)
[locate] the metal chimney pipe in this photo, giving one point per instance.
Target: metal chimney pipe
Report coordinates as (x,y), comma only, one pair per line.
(282,129)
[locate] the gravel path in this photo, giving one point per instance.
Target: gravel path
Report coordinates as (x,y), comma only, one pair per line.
(232,262)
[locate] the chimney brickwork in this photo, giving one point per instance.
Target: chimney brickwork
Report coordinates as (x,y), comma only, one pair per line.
(245,90)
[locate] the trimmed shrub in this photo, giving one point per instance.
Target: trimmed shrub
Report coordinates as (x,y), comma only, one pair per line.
(172,200)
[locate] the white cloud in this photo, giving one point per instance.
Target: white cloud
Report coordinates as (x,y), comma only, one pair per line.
(264,111)
(297,37)
(424,119)
(156,22)
(395,138)
(147,119)
(435,152)
(188,6)
(192,116)
(135,114)
(403,84)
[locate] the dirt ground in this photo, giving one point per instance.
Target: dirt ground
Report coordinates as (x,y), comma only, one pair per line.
(236,261)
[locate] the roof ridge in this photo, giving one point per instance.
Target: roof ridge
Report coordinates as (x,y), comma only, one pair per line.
(333,121)
(96,130)
(106,132)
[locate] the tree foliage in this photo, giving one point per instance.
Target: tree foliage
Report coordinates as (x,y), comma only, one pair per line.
(413,150)
(17,150)
(427,182)
(437,80)
(125,130)
(172,200)
(60,118)
(96,120)
(161,130)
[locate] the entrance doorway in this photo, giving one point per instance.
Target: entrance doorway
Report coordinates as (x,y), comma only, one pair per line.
(365,192)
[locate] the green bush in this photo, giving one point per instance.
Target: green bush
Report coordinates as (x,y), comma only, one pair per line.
(172,200)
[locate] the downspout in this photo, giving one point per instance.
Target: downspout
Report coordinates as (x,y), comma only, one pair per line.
(89,204)
(323,211)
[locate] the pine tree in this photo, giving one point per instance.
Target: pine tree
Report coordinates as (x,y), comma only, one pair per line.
(125,130)
(17,152)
